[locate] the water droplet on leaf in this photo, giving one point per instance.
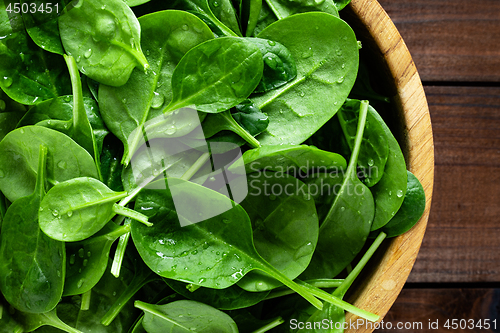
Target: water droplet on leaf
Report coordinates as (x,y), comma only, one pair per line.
(157,100)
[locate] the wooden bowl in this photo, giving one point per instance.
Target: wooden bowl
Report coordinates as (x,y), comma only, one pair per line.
(382,280)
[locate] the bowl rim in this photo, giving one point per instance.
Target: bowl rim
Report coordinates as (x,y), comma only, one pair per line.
(381,283)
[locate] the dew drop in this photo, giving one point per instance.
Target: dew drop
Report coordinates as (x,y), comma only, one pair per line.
(206,245)
(55,213)
(7,81)
(157,101)
(260,286)
(202,280)
(78,59)
(85,262)
(341,79)
(303,251)
(81,252)
(69,213)
(216,3)
(89,254)
(72,259)
(58,272)
(342,208)
(226,221)
(237,257)
(80,283)
(371,162)
(390,193)
(185,27)
(194,252)
(67,99)
(62,165)
(171,130)
(399,193)
(148,52)
(2,174)
(124,101)
(307,53)
(302,94)
(88,53)
(183,254)
(3,106)
(114,293)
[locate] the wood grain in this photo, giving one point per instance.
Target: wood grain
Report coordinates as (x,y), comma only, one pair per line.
(382,281)
(450,40)
(432,308)
(462,238)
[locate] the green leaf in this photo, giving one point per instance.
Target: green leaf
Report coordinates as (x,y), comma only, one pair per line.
(19,150)
(32,266)
(285,8)
(325,75)
(166,37)
(227,71)
(105,39)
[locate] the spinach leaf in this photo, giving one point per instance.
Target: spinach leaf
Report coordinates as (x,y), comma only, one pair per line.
(228,70)
(297,160)
(229,298)
(78,127)
(341,3)
(203,9)
(19,151)
(7,323)
(8,122)
(32,266)
(221,244)
(284,223)
(104,37)
(264,19)
(347,225)
(325,75)
(133,3)
(166,37)
(285,8)
(29,74)
(32,321)
(87,260)
(248,116)
(279,66)
(323,188)
(410,211)
(390,191)
(249,15)
(41,25)
(185,316)
(374,150)
(78,208)
(224,11)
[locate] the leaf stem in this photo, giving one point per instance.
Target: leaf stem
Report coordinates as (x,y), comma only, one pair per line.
(193,169)
(120,254)
(145,307)
(338,302)
(121,210)
(363,111)
(233,126)
(318,283)
(139,281)
(276,322)
(86,300)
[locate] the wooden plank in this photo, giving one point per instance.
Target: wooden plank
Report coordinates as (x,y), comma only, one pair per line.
(432,308)
(450,40)
(461,242)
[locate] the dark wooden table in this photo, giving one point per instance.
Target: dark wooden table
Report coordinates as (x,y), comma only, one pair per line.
(456,47)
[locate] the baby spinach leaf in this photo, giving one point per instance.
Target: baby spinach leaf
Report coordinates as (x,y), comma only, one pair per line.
(221,245)
(105,39)
(87,260)
(298,160)
(374,150)
(166,37)
(390,191)
(78,208)
(284,223)
(265,18)
(250,13)
(32,266)
(279,66)
(345,229)
(325,74)
(323,188)
(19,151)
(133,3)
(340,4)
(229,298)
(185,316)
(248,115)
(285,8)
(228,70)
(410,211)
(8,122)
(41,25)
(224,11)
(202,8)
(32,321)
(29,74)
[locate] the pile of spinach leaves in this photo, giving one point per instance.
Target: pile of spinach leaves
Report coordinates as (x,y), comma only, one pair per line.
(115,113)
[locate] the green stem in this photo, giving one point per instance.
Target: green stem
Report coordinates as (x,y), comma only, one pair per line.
(342,289)
(233,126)
(119,255)
(318,283)
(273,8)
(276,322)
(192,287)
(18,329)
(193,169)
(86,300)
(137,54)
(299,289)
(41,171)
(121,210)
(51,319)
(135,285)
(338,302)
(145,307)
(130,196)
